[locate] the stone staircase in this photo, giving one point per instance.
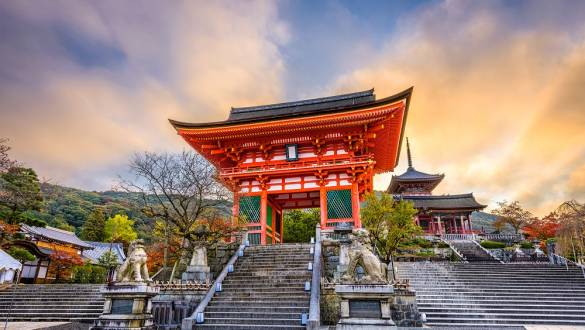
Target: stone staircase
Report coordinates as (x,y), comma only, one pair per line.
(472,252)
(265,291)
(51,302)
(497,294)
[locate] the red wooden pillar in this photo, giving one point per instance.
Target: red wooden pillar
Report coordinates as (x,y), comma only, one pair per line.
(355,205)
(281,226)
(323,203)
(274,225)
(263,209)
(236,208)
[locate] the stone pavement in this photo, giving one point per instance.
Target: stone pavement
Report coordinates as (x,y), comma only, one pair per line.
(45,325)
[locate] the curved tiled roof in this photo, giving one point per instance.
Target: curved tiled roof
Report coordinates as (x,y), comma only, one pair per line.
(445,202)
(99,248)
(311,107)
(289,108)
(55,234)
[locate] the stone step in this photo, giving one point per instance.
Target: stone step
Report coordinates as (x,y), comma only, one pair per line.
(247,326)
(497,304)
(510,318)
(253,320)
(265,288)
(500,311)
(261,295)
(441,297)
(248,315)
(274,302)
(245,307)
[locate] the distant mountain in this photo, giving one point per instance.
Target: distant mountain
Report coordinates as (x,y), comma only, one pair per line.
(483,221)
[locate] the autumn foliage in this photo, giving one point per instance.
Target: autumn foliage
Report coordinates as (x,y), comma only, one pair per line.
(542,229)
(62,263)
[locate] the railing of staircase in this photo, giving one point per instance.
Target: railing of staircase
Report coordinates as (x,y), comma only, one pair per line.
(198,316)
(557,259)
(314,321)
(489,252)
(454,250)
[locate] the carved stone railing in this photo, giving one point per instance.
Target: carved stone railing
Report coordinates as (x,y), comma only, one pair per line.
(314,321)
(459,237)
(198,314)
(503,237)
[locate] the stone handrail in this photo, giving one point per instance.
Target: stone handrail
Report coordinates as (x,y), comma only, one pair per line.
(566,261)
(454,250)
(191,320)
(459,237)
(503,237)
(314,321)
(488,252)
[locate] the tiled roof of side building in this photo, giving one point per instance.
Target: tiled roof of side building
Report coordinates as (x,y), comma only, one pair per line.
(99,248)
(445,202)
(55,234)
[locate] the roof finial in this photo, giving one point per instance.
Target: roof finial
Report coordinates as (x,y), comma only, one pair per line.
(408,152)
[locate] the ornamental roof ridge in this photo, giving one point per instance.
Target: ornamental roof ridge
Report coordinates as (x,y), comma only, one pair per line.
(369,92)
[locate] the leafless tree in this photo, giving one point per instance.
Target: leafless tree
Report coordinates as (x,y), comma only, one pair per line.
(512,214)
(180,189)
(571,232)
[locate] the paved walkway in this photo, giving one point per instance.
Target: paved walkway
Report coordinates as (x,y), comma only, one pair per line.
(44,325)
(553,327)
(30,325)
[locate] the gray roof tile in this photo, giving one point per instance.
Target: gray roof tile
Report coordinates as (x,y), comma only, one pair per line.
(55,234)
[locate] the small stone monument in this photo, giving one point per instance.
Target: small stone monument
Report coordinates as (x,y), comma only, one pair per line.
(128,300)
(198,270)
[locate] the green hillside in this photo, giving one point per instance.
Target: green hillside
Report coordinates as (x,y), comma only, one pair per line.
(64,205)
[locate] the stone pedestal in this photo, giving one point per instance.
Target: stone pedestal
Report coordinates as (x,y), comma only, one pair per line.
(196,274)
(198,270)
(128,306)
(365,306)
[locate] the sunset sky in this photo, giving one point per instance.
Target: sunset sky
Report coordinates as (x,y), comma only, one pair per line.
(499,86)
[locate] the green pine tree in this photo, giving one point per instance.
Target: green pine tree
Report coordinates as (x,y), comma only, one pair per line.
(94,227)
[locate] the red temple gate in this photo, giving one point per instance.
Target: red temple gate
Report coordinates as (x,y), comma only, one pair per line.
(318,153)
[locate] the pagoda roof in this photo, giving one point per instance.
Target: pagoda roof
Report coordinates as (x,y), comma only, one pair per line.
(413,176)
(302,108)
(445,202)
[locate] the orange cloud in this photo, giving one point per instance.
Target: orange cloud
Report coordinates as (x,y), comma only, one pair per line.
(498,109)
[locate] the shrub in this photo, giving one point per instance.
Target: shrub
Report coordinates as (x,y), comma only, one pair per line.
(442,245)
(526,245)
(423,243)
(493,245)
(89,274)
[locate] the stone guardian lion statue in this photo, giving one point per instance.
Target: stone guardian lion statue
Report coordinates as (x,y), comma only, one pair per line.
(134,265)
(360,252)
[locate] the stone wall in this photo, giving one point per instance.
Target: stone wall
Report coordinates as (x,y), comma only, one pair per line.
(218,257)
(175,302)
(404,309)
(330,305)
